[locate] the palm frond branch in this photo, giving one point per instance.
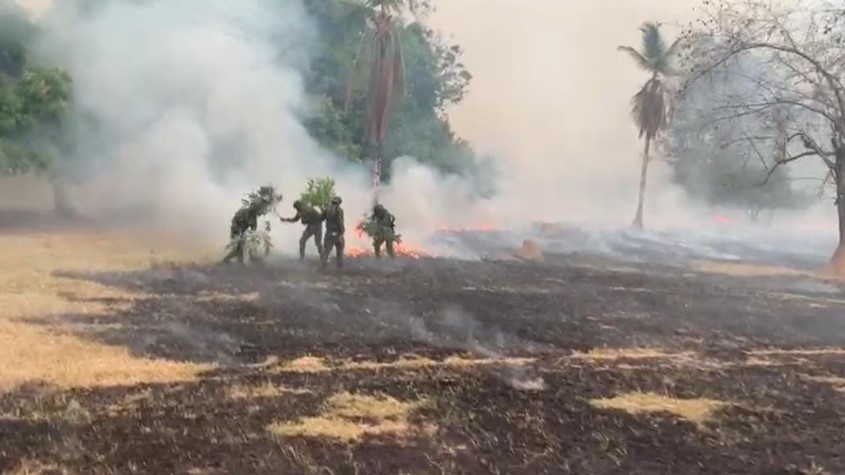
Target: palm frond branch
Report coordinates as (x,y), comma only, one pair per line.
(648,108)
(356,69)
(641,61)
(653,45)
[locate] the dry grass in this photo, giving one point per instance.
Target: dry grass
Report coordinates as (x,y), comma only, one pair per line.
(837,382)
(305,364)
(29,288)
(745,270)
(697,411)
(222,297)
(612,354)
(312,364)
(31,467)
(801,352)
(267,390)
(349,417)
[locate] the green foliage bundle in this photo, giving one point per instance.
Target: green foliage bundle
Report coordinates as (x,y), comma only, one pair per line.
(265,198)
(319,192)
(376,230)
(256,244)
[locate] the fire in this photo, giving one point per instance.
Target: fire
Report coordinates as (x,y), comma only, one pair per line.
(403,250)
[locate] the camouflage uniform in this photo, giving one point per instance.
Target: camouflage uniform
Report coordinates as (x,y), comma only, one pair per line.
(245,219)
(313,221)
(335,229)
(386,230)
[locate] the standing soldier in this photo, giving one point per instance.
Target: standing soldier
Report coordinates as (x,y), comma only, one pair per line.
(335,229)
(385,230)
(313,221)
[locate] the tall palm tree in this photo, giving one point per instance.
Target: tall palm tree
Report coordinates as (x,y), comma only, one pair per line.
(649,105)
(382,46)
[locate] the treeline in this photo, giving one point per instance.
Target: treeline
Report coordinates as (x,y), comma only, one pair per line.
(35,100)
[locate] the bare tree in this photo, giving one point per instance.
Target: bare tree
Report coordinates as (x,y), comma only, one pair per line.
(794,40)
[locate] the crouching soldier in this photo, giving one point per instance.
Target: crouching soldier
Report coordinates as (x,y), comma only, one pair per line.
(313,221)
(245,222)
(385,232)
(335,229)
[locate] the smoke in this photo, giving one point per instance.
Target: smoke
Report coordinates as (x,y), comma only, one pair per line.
(183,106)
(550,98)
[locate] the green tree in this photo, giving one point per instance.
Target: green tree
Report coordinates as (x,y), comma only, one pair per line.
(725,158)
(433,75)
(649,105)
(33,102)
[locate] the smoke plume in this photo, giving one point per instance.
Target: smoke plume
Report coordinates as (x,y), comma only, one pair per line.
(183,106)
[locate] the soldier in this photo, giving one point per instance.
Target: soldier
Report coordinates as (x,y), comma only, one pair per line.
(246,219)
(313,221)
(335,229)
(385,232)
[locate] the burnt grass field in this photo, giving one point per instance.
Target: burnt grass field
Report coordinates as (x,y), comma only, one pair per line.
(434,366)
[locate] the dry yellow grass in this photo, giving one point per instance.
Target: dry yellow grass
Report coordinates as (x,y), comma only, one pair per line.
(697,411)
(29,288)
(837,382)
(312,364)
(240,392)
(801,352)
(305,364)
(612,354)
(745,270)
(349,417)
(31,467)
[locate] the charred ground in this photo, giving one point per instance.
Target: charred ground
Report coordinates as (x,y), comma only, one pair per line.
(572,365)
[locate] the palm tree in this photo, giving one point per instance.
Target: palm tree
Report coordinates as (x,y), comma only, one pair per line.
(386,83)
(649,105)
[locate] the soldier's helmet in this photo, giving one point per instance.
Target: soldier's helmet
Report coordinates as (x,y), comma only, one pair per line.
(337,200)
(297,204)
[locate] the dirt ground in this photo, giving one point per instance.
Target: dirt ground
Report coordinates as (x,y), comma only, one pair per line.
(117,355)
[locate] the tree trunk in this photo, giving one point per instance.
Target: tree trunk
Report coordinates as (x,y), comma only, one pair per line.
(837,262)
(377,170)
(638,219)
(62,205)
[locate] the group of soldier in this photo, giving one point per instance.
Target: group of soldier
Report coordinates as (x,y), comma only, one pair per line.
(245,221)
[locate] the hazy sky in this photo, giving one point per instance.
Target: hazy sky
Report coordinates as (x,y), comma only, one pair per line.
(548,77)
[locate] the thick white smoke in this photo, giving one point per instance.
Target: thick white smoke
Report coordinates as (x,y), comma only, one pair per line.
(194,106)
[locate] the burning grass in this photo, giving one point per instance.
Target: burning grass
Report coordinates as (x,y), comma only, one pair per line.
(30,288)
(349,417)
(697,411)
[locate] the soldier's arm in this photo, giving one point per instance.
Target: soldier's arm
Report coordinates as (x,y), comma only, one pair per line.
(253,222)
(342,221)
(294,219)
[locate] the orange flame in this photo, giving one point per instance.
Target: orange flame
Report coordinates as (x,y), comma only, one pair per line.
(403,250)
